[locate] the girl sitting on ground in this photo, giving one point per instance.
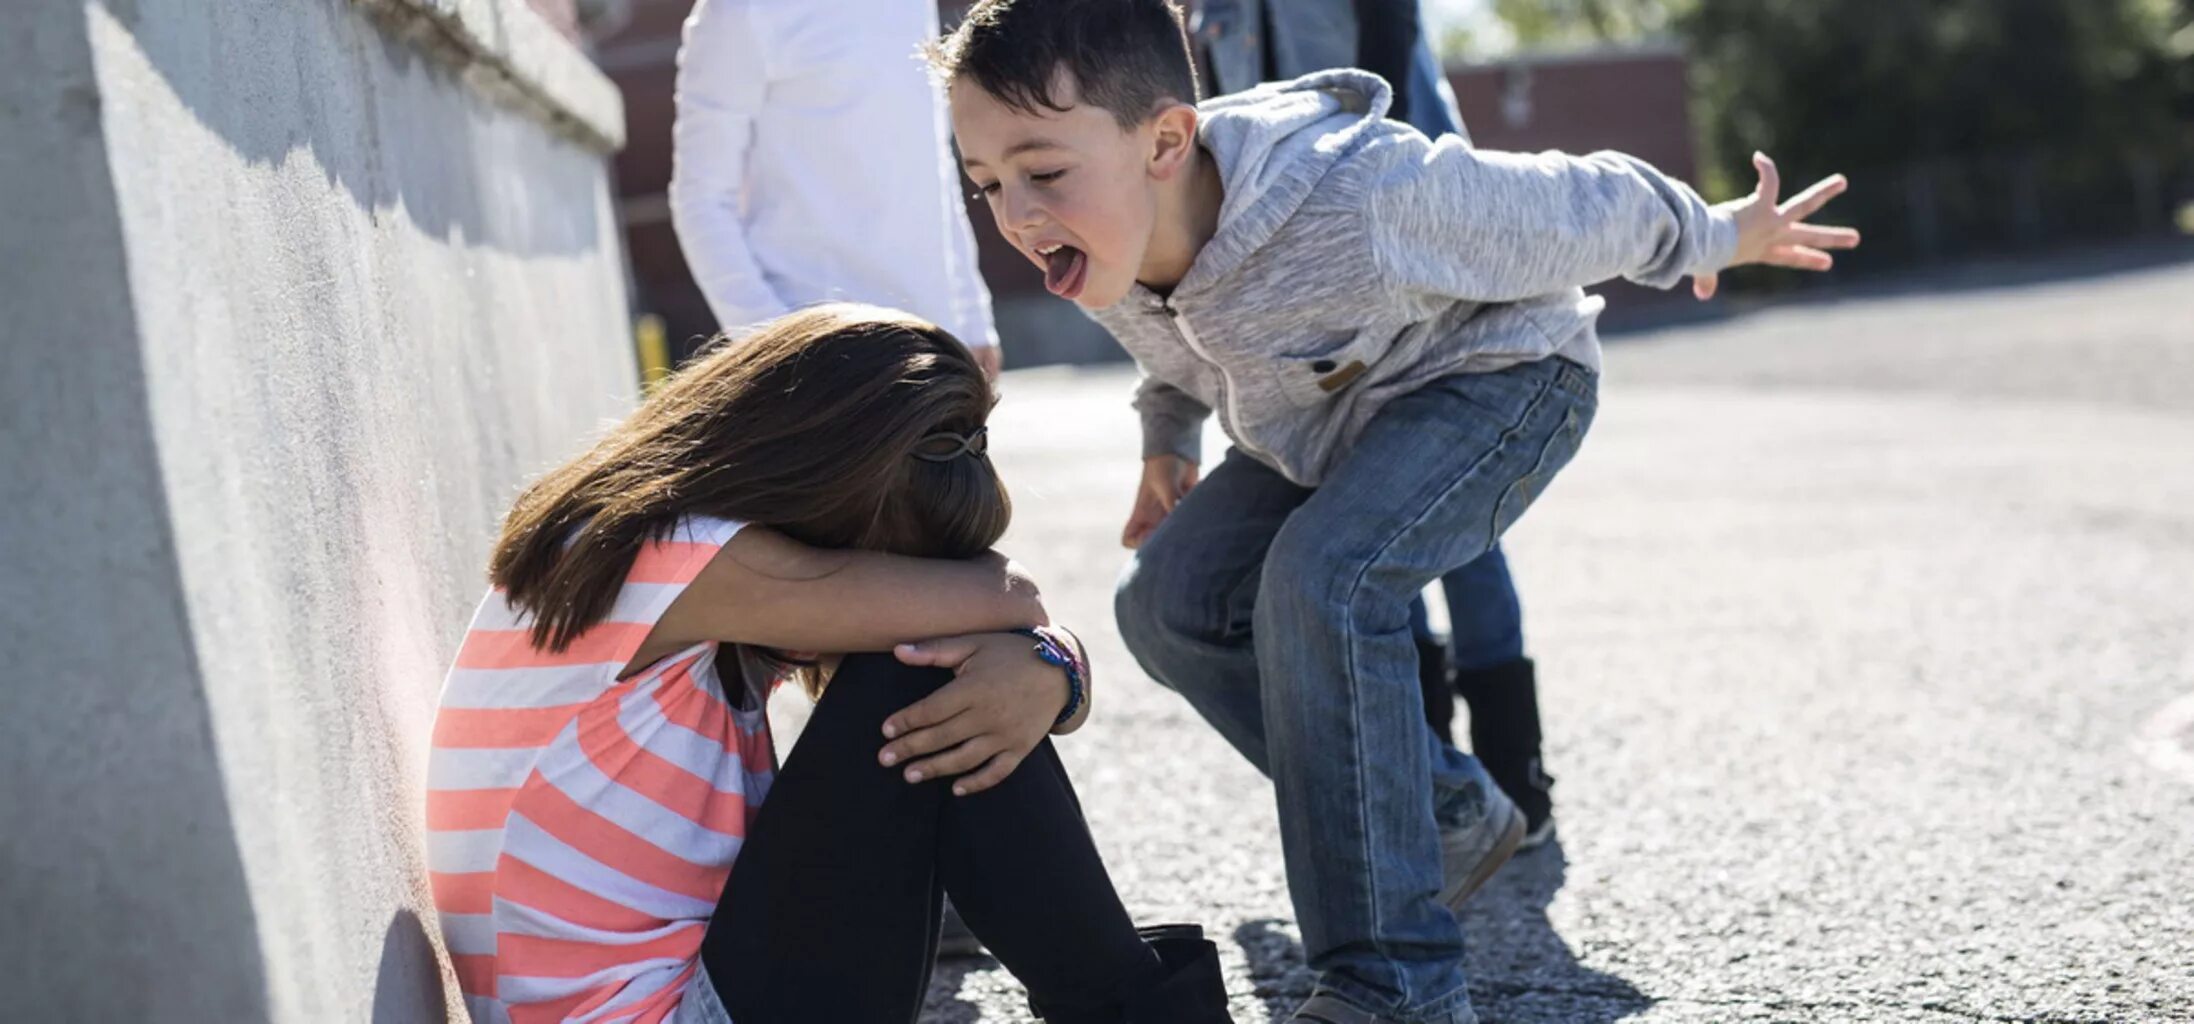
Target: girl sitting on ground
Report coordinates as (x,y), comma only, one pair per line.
(598,836)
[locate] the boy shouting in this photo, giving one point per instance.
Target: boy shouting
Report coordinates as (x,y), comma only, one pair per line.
(1392,334)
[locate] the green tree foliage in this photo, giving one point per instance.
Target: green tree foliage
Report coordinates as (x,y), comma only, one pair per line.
(1963,121)
(1891,81)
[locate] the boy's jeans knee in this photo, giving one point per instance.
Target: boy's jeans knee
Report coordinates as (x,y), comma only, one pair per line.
(1186,601)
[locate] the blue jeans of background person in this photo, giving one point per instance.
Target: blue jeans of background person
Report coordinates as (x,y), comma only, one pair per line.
(1282,614)
(1431,103)
(1485,620)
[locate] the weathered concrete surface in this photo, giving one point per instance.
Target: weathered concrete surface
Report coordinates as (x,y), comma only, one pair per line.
(296,294)
(1856,621)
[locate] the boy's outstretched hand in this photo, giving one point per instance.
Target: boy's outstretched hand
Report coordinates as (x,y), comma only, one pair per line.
(1778,234)
(1166,480)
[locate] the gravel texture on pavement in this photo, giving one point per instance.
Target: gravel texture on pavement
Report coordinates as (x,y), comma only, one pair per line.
(1866,642)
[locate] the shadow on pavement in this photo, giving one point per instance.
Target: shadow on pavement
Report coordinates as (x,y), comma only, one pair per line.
(1276,969)
(407,989)
(1520,968)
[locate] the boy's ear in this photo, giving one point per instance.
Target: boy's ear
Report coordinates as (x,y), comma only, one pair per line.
(1172,140)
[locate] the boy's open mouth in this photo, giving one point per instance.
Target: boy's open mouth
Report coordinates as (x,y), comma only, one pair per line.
(1066,270)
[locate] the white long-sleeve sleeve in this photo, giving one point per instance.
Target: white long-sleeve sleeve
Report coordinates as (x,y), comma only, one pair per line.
(970,296)
(723,82)
(814,164)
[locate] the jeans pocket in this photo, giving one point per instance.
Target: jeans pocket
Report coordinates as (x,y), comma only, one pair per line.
(1560,447)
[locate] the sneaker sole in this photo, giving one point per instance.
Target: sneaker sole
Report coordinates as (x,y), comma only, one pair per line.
(1538,837)
(1512,838)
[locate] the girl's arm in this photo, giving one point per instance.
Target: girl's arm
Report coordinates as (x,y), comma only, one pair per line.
(768,590)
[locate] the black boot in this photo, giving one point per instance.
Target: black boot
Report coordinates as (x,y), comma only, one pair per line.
(1504,734)
(1432,679)
(1188,991)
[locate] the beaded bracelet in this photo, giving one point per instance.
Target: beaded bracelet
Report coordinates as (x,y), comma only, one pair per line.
(1056,650)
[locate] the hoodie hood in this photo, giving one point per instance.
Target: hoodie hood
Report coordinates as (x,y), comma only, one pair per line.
(1272,145)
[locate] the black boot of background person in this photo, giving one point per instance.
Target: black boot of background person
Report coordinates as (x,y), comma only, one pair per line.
(1190,991)
(1504,734)
(1439,693)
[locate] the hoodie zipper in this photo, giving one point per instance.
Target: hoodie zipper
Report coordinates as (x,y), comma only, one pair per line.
(1228,411)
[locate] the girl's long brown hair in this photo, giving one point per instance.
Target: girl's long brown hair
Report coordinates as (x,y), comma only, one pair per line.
(809,425)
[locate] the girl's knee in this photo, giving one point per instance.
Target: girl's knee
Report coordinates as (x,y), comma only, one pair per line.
(876,685)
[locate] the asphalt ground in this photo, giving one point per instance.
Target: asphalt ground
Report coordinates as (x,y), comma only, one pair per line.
(1866,643)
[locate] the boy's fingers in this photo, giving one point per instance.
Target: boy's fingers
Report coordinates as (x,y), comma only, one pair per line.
(1822,238)
(1139,524)
(1771,180)
(1805,203)
(1137,528)
(1801,257)
(992,774)
(1703,285)
(922,714)
(958,760)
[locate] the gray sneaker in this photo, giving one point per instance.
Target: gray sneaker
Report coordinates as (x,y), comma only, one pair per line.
(1326,1008)
(1472,851)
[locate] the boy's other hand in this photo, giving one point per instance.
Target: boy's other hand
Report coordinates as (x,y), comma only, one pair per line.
(990,359)
(1166,480)
(1778,235)
(1001,703)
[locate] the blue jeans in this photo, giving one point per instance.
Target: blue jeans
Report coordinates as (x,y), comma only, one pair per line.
(1282,614)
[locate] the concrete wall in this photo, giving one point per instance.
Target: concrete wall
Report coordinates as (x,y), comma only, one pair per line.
(293,294)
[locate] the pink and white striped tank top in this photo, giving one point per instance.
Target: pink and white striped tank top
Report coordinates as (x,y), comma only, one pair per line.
(580,827)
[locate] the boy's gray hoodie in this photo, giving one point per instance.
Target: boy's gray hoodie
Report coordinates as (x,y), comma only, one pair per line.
(1356,261)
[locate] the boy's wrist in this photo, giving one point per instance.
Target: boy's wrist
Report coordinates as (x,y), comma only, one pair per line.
(1723,238)
(1173,439)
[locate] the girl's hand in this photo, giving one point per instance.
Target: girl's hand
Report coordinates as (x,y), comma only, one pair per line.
(1002,703)
(1778,234)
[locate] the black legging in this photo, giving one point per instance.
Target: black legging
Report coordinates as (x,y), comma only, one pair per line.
(831,912)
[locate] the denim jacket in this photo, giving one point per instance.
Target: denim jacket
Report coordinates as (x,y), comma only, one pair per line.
(1314,35)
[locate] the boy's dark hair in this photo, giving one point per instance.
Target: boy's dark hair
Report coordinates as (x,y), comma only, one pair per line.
(1126,56)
